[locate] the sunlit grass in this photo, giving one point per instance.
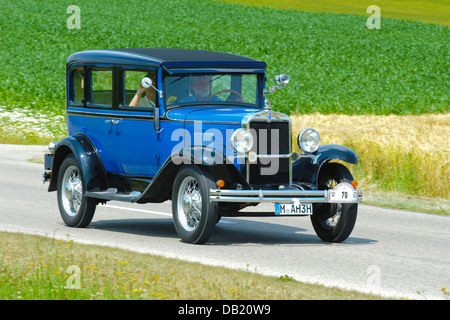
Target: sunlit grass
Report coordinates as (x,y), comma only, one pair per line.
(29,126)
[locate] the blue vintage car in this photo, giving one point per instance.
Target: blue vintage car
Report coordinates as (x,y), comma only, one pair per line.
(194,127)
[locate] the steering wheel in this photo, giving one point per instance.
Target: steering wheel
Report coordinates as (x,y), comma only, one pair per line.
(222,91)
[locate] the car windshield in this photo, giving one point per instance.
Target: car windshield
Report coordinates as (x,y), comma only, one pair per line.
(235,89)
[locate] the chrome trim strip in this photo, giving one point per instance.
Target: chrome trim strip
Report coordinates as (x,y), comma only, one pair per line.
(93,113)
(265,200)
(264,156)
(278,193)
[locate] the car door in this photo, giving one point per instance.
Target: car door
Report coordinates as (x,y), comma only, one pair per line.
(136,137)
(100,118)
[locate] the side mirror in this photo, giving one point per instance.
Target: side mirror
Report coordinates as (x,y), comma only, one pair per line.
(281,81)
(146,82)
(156,123)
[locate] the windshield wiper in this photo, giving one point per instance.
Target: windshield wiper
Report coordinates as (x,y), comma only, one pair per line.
(218,77)
(179,78)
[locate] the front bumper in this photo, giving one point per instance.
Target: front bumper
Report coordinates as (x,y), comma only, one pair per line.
(336,195)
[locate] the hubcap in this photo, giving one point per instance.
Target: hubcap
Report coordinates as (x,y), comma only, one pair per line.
(189,204)
(72,190)
(335,208)
(333,220)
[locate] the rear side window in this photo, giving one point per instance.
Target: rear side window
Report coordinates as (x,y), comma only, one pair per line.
(102,87)
(135,95)
(77,89)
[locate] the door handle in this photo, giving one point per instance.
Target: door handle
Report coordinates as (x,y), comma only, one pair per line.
(113,121)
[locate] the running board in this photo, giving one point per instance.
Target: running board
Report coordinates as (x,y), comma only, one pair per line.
(113,194)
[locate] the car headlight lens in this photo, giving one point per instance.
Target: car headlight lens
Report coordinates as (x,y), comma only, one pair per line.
(242,140)
(308,140)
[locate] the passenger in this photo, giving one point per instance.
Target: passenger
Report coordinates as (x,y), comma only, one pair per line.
(147,101)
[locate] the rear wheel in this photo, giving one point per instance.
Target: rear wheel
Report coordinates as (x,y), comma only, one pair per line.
(333,222)
(75,208)
(194,215)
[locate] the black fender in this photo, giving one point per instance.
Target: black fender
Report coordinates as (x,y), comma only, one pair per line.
(336,152)
(92,171)
(160,188)
(306,168)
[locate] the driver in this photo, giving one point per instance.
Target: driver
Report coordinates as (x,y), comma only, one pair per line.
(200,87)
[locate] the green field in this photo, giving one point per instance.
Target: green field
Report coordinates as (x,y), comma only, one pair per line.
(336,64)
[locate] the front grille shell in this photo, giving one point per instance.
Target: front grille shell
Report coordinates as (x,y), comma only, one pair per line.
(274,163)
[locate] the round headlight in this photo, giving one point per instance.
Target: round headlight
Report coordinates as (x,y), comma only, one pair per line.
(242,140)
(308,140)
(52,146)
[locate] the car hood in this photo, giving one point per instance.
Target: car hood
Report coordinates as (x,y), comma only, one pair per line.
(211,114)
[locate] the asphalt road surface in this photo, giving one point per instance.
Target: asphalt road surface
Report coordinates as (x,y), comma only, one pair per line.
(394,253)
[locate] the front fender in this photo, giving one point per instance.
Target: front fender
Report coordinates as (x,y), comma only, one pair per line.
(92,170)
(306,168)
(329,152)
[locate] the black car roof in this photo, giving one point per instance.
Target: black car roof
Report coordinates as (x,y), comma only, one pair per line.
(168,57)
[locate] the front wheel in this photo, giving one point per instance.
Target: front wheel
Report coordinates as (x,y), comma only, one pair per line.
(194,215)
(75,208)
(333,222)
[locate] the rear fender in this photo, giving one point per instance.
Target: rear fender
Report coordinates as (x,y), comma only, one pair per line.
(92,170)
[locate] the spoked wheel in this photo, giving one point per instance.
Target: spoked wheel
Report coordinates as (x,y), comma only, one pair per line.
(76,210)
(193,214)
(333,222)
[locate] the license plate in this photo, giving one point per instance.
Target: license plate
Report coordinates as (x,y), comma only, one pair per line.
(343,193)
(293,208)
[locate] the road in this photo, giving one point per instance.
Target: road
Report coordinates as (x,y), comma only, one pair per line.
(394,253)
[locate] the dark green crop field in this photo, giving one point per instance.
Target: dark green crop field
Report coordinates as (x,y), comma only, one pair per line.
(336,64)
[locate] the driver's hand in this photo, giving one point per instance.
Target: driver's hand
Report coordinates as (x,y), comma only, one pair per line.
(140,90)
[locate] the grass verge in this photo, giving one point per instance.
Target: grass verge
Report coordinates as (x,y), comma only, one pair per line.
(39,268)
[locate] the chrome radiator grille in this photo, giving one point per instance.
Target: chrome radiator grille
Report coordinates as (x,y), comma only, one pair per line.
(270,138)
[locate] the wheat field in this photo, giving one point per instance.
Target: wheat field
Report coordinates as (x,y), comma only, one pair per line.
(431,11)
(397,153)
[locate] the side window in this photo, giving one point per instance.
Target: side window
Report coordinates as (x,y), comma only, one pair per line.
(102,87)
(77,90)
(135,95)
(250,88)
